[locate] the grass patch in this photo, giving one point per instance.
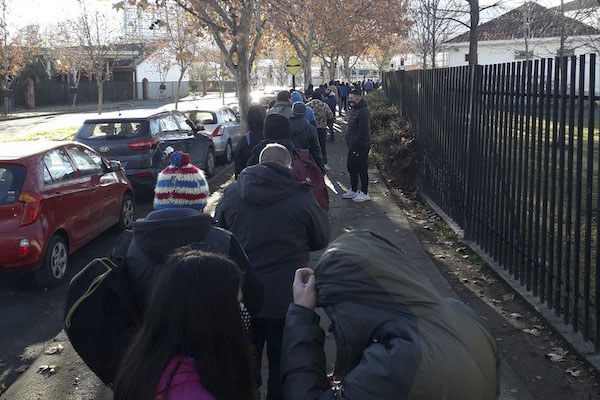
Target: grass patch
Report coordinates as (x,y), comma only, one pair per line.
(61,134)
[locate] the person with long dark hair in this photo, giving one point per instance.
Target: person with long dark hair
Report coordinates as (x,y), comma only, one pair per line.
(191,345)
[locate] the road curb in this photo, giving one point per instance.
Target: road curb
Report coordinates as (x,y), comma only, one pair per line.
(575,340)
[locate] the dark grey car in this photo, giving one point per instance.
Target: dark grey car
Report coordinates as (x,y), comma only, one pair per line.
(143,140)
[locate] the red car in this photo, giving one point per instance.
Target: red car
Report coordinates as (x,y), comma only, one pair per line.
(54,198)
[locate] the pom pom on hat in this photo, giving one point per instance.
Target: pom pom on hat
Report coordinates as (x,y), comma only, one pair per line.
(181,185)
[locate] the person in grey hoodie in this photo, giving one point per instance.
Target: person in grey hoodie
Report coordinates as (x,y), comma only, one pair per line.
(304,135)
(282,105)
(278,222)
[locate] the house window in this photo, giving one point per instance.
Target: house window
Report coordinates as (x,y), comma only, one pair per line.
(467,57)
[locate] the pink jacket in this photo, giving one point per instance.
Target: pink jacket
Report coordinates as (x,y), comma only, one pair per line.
(185,384)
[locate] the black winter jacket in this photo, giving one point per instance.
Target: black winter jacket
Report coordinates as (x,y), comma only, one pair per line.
(163,231)
(278,221)
(244,149)
(359,129)
(304,136)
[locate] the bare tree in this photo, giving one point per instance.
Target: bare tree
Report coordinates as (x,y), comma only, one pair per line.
(182,42)
(99,43)
(12,59)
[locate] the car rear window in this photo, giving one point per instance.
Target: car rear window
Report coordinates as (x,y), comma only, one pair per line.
(11,182)
(201,117)
(112,130)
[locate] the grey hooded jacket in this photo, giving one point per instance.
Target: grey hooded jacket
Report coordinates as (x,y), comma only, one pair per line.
(396,337)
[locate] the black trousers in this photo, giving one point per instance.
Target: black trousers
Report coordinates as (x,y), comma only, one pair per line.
(358,165)
(271,332)
(322,134)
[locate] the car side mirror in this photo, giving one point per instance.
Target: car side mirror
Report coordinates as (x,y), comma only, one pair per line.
(114,166)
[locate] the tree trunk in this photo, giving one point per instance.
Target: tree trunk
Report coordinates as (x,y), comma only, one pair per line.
(178,86)
(242,78)
(100,85)
(473,33)
(346,60)
(77,77)
(308,66)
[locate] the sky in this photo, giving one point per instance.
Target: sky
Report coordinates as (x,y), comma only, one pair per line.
(44,12)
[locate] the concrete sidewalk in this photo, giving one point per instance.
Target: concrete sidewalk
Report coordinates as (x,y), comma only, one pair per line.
(75,381)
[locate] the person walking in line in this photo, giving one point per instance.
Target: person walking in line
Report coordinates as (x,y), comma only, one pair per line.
(310,115)
(283,105)
(368,86)
(358,140)
(323,114)
(396,336)
(331,101)
(181,194)
(304,135)
(343,91)
(192,345)
(278,222)
(256,119)
(276,130)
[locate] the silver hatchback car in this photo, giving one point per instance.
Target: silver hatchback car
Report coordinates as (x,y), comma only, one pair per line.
(222,124)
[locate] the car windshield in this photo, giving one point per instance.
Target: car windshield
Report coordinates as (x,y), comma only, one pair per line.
(11,181)
(112,129)
(201,117)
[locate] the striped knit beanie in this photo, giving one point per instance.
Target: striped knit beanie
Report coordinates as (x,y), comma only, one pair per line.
(181,185)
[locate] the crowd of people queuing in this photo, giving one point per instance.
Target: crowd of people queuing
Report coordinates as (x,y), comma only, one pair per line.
(214,291)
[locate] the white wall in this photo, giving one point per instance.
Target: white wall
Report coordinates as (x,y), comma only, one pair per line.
(147,69)
(496,52)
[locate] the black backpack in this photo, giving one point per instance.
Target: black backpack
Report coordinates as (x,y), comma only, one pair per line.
(101,315)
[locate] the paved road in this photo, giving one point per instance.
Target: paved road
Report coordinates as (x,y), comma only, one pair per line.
(13,129)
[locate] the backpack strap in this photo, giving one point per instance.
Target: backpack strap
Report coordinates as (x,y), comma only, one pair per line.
(119,253)
(247,136)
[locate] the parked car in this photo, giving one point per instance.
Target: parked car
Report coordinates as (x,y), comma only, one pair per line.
(221,124)
(143,140)
(54,198)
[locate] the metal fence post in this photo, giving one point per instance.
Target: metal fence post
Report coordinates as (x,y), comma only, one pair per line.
(475,76)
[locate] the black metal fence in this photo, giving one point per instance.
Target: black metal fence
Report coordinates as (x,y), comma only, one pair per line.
(511,153)
(49,93)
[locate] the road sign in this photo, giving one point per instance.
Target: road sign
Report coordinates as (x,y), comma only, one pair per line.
(293,65)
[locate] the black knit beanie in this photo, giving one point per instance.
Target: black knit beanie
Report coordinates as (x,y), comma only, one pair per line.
(277,126)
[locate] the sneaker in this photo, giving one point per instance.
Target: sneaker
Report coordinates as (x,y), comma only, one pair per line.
(349,195)
(326,168)
(360,197)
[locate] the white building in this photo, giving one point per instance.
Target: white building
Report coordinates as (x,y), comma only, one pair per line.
(503,39)
(151,85)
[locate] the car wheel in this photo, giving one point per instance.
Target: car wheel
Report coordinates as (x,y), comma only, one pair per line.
(127,213)
(54,267)
(227,156)
(209,164)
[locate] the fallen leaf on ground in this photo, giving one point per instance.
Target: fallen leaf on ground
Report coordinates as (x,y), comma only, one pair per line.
(557,356)
(22,368)
(514,390)
(575,373)
(515,315)
(440,256)
(532,332)
(460,249)
(2,387)
(48,369)
(465,256)
(508,297)
(55,349)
